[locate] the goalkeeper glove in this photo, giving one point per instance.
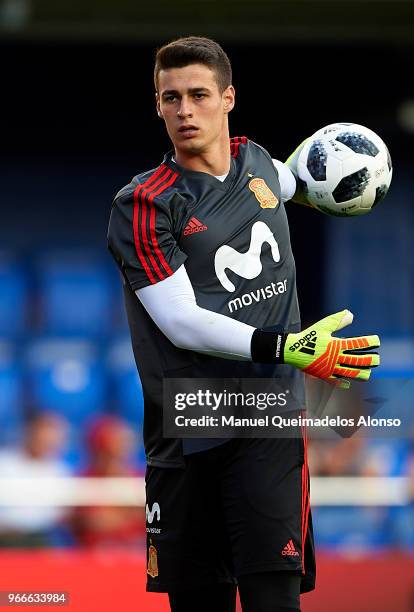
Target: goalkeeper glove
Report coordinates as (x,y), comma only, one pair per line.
(316,352)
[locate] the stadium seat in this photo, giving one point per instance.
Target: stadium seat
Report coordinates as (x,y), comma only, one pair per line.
(127,391)
(75,294)
(402,527)
(125,382)
(13,297)
(66,376)
(120,324)
(11,406)
(351,528)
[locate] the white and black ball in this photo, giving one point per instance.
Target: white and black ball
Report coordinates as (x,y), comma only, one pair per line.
(345,169)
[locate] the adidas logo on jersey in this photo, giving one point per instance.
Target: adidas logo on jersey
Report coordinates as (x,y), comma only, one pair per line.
(306,344)
(194,226)
(290,550)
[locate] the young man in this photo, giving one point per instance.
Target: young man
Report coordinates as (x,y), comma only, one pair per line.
(195,239)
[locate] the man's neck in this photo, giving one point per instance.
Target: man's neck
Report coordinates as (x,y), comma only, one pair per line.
(214,161)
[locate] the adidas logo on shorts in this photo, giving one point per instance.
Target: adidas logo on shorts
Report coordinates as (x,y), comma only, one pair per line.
(290,550)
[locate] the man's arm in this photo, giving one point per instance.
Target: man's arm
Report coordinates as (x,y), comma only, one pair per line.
(152,264)
(172,305)
(287,180)
(299,197)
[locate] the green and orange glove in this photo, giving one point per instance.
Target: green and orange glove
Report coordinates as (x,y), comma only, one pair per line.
(315,351)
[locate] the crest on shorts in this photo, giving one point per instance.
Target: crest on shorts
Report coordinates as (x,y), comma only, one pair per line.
(263,193)
(152,568)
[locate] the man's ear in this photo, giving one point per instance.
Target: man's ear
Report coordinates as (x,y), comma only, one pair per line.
(157,102)
(229,97)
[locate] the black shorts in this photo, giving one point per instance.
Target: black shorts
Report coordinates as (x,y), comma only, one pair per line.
(240,508)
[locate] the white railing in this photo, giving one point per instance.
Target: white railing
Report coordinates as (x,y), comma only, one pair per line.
(75,491)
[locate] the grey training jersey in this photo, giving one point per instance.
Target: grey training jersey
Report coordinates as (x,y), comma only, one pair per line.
(233,238)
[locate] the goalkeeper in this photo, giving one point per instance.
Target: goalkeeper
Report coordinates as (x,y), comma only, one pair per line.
(202,242)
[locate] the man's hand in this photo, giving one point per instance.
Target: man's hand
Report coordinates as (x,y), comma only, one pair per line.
(316,352)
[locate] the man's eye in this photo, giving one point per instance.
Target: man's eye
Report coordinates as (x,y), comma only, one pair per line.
(199,96)
(170,98)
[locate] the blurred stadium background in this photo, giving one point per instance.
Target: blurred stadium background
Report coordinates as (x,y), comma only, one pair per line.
(78,123)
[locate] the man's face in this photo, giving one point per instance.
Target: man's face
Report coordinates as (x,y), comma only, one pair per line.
(192,106)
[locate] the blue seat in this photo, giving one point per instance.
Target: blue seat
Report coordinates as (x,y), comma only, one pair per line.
(11,400)
(119,318)
(125,382)
(347,528)
(75,294)
(66,376)
(402,527)
(140,457)
(13,297)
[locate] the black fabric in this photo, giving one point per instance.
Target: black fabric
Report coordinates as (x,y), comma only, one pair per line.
(216,598)
(267,346)
(234,510)
(233,238)
(270,592)
(261,592)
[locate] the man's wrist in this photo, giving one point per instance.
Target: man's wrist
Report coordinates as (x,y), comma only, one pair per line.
(268,346)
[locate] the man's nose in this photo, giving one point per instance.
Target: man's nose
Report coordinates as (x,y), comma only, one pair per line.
(184,109)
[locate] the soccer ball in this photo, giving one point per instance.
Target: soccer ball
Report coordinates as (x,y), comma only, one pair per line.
(344,169)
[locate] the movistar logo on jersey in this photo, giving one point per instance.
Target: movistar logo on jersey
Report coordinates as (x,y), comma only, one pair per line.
(253,297)
(247,265)
(306,344)
(155,511)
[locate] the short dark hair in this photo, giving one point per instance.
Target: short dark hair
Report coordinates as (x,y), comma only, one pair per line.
(194,50)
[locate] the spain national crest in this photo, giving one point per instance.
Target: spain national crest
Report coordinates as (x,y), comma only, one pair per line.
(263,193)
(152,568)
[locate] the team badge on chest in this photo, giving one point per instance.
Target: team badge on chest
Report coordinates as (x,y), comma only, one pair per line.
(264,195)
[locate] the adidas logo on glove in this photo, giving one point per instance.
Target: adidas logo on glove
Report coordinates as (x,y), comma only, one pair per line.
(307,342)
